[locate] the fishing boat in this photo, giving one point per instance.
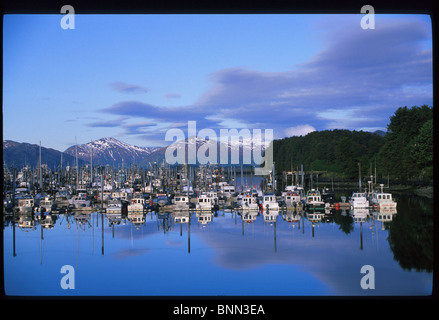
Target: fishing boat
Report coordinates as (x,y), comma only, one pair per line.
(163,199)
(204,202)
(114,206)
(269,202)
(247,202)
(295,189)
(292,199)
(62,199)
(383,200)
(228,190)
(79,201)
(181,203)
(313,200)
(25,204)
(136,204)
(359,200)
(214,196)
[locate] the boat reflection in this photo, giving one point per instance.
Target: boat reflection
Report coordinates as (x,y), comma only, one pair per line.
(167,221)
(203,218)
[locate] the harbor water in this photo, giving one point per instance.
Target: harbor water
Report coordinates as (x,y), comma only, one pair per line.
(282,253)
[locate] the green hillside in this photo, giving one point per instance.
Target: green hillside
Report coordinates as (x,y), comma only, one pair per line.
(404,153)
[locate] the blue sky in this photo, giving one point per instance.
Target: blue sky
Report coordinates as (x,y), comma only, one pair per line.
(133,77)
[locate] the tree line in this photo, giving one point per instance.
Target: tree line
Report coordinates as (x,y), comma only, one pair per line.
(404,153)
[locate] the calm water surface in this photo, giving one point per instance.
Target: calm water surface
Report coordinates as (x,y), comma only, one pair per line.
(282,254)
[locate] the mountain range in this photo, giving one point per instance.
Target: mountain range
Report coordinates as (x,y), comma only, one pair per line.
(112,152)
(115,153)
(25,154)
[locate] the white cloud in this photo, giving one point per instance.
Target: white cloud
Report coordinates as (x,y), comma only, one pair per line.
(300,130)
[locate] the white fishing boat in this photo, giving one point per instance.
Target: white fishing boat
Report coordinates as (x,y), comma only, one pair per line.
(121,194)
(228,190)
(213,195)
(295,189)
(269,202)
(247,202)
(62,198)
(114,206)
(383,200)
(181,203)
(136,204)
(25,204)
(292,199)
(79,201)
(359,200)
(204,202)
(314,200)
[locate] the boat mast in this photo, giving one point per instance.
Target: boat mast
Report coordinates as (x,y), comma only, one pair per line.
(91,165)
(40,171)
(77,167)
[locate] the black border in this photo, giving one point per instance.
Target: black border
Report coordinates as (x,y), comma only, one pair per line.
(273,305)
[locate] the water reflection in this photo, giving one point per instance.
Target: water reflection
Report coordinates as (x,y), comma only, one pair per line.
(237,239)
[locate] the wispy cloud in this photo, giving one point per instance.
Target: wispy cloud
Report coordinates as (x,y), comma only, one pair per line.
(108,123)
(138,127)
(127,88)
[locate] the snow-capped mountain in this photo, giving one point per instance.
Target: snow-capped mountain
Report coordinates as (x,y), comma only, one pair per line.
(110,151)
(234,148)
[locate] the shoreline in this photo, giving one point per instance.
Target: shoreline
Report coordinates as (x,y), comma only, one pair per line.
(422,191)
